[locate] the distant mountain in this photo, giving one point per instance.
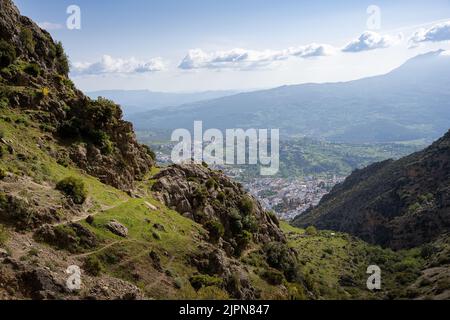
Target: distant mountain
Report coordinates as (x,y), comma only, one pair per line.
(411,102)
(398,204)
(135,101)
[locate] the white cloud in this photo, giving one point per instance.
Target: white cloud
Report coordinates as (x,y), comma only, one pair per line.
(50,25)
(110,65)
(371,40)
(438,32)
(249,59)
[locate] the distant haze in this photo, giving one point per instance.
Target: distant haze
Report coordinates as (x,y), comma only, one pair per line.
(409,103)
(135,101)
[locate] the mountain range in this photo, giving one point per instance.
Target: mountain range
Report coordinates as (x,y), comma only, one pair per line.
(138,101)
(411,102)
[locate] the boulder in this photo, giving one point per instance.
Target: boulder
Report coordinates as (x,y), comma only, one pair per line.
(117,228)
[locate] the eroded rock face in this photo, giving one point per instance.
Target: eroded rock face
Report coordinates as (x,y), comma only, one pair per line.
(103,144)
(207,195)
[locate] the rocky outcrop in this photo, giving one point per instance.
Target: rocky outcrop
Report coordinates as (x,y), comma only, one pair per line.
(209,196)
(36,78)
(117,228)
(397,204)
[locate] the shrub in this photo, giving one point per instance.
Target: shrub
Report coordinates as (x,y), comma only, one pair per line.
(33,69)
(93,265)
(215,229)
(7,54)
(279,257)
(3,172)
(273,277)
(201,194)
(236,225)
(45,92)
(311,231)
(26,36)
(221,196)
(101,139)
(202,280)
(250,223)
(211,183)
(4,103)
(246,206)
(73,188)
(427,251)
(62,62)
(242,241)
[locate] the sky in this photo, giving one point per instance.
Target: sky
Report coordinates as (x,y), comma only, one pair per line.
(202,45)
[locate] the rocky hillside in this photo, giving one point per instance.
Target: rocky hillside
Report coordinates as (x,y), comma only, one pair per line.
(79,196)
(34,80)
(396,204)
(76,189)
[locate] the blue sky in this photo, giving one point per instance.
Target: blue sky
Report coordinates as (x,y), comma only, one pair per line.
(243,44)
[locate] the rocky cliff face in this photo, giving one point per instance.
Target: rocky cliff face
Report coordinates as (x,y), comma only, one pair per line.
(34,77)
(397,204)
(211,198)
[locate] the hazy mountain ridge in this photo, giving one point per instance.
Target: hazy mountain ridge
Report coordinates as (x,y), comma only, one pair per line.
(137,101)
(366,110)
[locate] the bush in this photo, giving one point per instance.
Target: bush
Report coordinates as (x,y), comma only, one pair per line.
(26,36)
(201,194)
(250,223)
(279,257)
(102,140)
(62,62)
(33,69)
(311,231)
(3,172)
(215,229)
(4,103)
(273,277)
(73,188)
(7,54)
(221,196)
(93,265)
(242,241)
(211,183)
(202,280)
(246,206)
(235,221)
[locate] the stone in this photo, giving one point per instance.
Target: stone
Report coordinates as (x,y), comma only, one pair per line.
(159,227)
(117,228)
